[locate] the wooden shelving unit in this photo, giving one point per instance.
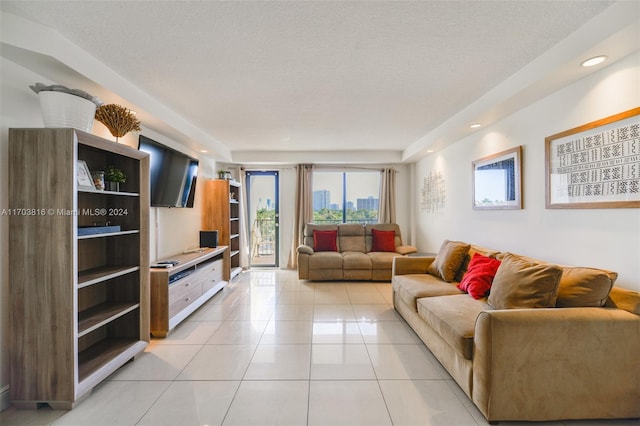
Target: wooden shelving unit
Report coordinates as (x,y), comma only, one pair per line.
(79,303)
(221,212)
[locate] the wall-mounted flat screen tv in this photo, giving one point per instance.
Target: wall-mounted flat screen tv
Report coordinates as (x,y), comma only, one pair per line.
(172,174)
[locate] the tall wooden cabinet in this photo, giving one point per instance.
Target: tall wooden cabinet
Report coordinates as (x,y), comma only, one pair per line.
(221,212)
(79,305)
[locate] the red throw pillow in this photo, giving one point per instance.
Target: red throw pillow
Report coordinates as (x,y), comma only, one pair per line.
(325,240)
(383,240)
(478,278)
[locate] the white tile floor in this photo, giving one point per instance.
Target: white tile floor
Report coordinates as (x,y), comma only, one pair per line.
(272,350)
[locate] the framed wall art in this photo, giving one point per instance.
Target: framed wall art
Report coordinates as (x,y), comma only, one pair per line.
(596,165)
(433,193)
(497,181)
(85,181)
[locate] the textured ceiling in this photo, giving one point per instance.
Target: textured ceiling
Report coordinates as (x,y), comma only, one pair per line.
(325,75)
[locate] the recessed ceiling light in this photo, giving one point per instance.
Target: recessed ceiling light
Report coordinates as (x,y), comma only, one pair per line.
(594,61)
(429,151)
(203,150)
(475,125)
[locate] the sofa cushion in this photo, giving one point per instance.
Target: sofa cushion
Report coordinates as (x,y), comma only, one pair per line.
(325,240)
(351,236)
(583,287)
(454,319)
(356,260)
(448,260)
(479,276)
(580,286)
(325,260)
(382,259)
(411,287)
(383,240)
(522,283)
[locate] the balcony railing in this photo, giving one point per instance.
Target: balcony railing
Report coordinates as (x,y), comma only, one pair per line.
(263,238)
(363,221)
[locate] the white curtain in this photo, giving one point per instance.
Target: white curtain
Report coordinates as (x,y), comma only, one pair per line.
(387,205)
(303,212)
(244,240)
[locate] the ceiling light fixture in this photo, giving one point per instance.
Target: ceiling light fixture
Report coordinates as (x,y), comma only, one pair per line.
(594,61)
(203,150)
(475,125)
(429,151)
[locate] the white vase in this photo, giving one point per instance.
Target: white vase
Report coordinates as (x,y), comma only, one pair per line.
(61,109)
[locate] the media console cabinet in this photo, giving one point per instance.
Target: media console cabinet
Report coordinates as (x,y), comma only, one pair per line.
(177,291)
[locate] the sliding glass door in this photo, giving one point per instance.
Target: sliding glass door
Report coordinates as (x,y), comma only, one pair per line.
(263,214)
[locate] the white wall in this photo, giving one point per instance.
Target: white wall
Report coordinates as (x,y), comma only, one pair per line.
(172,230)
(606,238)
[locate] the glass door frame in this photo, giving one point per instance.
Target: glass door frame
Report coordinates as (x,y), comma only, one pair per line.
(276,203)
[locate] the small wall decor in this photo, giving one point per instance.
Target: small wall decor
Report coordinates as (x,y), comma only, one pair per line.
(497,181)
(432,193)
(596,165)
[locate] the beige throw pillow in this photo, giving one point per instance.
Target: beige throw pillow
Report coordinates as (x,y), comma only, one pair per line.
(448,261)
(582,287)
(521,283)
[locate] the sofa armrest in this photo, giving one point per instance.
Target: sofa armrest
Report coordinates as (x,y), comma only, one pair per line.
(406,249)
(403,265)
(304,253)
(562,363)
(304,249)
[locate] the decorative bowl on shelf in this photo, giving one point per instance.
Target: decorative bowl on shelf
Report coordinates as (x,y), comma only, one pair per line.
(65,107)
(61,109)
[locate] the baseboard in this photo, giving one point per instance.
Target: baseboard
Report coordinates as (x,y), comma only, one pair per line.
(4,398)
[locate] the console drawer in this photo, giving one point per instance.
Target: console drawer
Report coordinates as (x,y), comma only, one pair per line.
(211,275)
(182,294)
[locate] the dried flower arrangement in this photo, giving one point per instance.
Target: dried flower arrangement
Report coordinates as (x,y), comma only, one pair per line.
(118,119)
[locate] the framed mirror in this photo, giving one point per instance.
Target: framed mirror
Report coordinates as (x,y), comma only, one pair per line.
(497,181)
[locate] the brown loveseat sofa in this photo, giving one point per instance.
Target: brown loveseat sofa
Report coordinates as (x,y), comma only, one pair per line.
(353,258)
(576,359)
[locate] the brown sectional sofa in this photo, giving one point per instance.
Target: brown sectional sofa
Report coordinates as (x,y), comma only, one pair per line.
(353,259)
(529,364)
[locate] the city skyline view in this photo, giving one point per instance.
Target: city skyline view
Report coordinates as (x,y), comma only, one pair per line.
(321,200)
(359,185)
